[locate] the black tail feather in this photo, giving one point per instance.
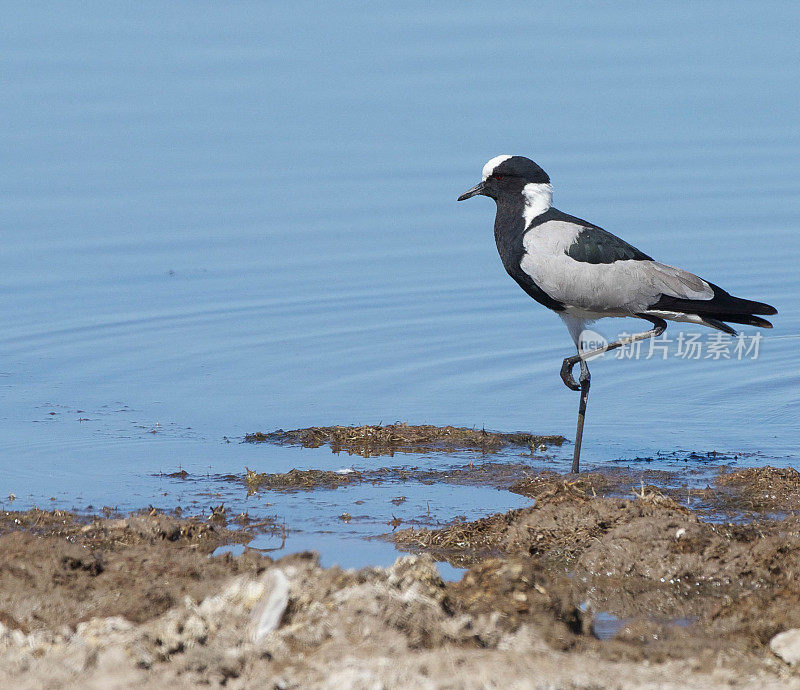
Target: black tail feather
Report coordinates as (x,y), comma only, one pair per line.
(747,319)
(720,308)
(719,325)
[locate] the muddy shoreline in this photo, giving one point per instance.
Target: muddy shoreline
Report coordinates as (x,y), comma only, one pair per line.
(387,439)
(598,583)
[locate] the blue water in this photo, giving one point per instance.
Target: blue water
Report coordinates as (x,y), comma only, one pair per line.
(222,218)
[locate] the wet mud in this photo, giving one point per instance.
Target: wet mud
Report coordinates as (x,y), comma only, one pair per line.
(57,568)
(645,573)
(501,475)
(373,440)
(608,579)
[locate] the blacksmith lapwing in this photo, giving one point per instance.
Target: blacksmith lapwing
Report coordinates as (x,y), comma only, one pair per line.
(584,273)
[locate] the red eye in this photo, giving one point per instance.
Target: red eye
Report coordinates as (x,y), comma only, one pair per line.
(499,177)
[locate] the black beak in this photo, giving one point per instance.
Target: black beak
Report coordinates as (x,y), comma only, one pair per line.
(477,189)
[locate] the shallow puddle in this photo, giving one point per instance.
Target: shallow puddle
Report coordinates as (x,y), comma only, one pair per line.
(606,625)
(340,504)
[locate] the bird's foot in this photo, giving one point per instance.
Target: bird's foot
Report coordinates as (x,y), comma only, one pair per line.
(566,373)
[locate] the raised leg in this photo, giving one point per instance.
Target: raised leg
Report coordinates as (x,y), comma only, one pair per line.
(659,326)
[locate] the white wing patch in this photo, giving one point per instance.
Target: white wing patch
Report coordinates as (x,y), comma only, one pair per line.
(621,287)
(488,169)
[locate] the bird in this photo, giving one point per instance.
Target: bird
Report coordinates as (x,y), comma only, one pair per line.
(585,273)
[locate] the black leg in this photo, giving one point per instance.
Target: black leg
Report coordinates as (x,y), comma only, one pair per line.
(585,379)
(566,374)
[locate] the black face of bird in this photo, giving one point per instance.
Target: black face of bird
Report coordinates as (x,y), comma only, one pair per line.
(506,176)
(497,186)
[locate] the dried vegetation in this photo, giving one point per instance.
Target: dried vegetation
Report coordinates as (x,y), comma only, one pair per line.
(372,440)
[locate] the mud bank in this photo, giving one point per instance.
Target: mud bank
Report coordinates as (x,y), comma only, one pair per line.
(388,439)
(500,475)
(645,574)
(582,589)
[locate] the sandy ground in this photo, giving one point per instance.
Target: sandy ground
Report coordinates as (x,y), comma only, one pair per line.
(140,602)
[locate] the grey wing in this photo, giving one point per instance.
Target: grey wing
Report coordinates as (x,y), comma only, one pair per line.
(601,272)
(583,266)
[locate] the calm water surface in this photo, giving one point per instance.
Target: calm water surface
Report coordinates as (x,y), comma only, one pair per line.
(219,219)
